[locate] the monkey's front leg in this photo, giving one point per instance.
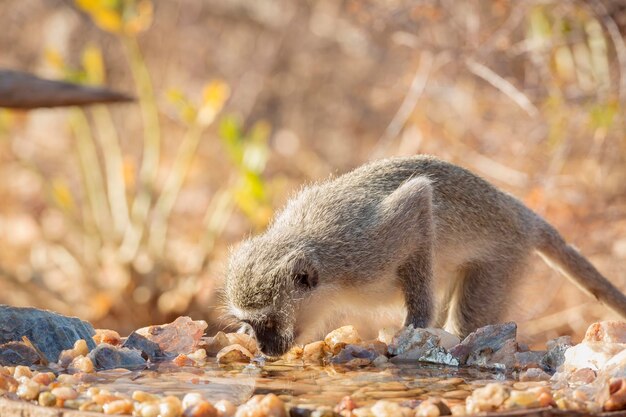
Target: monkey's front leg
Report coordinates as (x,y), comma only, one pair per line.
(408,228)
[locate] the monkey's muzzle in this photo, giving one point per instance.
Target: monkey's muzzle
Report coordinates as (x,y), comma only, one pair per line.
(271,342)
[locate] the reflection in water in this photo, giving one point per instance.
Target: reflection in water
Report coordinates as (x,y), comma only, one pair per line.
(299,385)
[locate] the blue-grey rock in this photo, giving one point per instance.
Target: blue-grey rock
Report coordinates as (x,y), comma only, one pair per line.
(483,342)
(556,353)
(149,349)
(49,332)
(105,356)
(17,353)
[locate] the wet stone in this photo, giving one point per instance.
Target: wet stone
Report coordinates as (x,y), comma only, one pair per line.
(181,336)
(486,339)
(607,332)
(355,355)
(110,357)
(555,356)
(18,353)
(49,332)
(149,350)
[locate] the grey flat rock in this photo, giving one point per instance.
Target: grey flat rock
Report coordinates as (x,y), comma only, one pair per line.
(49,332)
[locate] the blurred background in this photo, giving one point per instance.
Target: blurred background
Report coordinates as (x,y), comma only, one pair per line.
(123,214)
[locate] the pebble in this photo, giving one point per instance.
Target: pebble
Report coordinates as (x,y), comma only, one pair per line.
(243,339)
(142,396)
(28,390)
(488,398)
(191,399)
(201,409)
(118,407)
(617,396)
(384,408)
(315,352)
(81,364)
(170,406)
(107,336)
(21,370)
(234,353)
(148,409)
(47,399)
(65,393)
(225,408)
(340,337)
(262,406)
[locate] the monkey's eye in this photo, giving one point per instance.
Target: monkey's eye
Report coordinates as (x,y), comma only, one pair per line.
(305,280)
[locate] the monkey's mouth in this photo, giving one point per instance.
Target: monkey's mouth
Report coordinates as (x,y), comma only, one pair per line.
(273,343)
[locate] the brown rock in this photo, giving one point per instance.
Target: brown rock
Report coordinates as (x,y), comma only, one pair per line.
(617,399)
(606,331)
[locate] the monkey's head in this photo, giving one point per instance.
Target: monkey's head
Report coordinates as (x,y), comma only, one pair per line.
(266,284)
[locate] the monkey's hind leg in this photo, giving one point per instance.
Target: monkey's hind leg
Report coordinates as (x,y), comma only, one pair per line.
(483,294)
(416,281)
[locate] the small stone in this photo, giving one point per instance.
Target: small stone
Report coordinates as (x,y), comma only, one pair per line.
(201,409)
(458,410)
(198,356)
(528,360)
(21,371)
(110,337)
(65,393)
(384,408)
(18,353)
(446,340)
(354,355)
(555,355)
(225,408)
(216,343)
(150,409)
(533,374)
(489,338)
(607,332)
(149,349)
(234,353)
(293,354)
(91,406)
(183,360)
(190,399)
(432,407)
(243,339)
(590,355)
(118,407)
(142,396)
(411,343)
(262,406)
(315,352)
(71,404)
(522,399)
(386,334)
(44,378)
(28,390)
(81,364)
(181,336)
(170,406)
(488,398)
(8,383)
(110,357)
(47,399)
(346,404)
(340,337)
(617,396)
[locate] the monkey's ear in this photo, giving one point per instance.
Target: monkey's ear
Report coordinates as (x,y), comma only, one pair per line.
(304,273)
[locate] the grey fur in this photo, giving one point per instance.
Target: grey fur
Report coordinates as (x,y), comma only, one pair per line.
(412,224)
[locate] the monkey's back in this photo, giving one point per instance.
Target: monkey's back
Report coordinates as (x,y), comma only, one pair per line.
(465,206)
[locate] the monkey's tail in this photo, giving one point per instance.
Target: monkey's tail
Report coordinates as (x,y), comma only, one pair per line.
(566,259)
